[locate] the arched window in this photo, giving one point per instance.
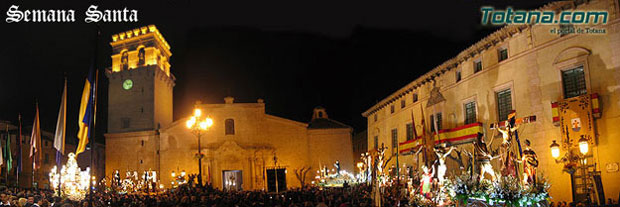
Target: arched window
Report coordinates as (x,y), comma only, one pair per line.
(230,126)
(141,56)
(124,60)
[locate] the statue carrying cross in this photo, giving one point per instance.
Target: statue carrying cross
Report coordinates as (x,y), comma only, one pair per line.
(508,129)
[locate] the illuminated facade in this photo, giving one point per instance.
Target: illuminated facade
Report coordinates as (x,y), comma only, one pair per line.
(523,68)
(239,148)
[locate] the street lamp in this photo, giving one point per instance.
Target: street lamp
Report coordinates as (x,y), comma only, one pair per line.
(583,145)
(573,157)
(197,124)
(555,150)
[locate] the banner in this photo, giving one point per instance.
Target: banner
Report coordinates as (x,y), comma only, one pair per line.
(576,120)
(596,109)
(454,136)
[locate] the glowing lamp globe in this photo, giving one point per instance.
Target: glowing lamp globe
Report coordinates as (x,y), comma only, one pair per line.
(197,112)
(203,125)
(209,122)
(190,123)
(555,150)
(583,145)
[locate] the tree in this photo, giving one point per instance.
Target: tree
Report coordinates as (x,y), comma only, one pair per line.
(301,175)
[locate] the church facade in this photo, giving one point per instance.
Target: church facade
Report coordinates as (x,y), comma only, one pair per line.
(528,69)
(245,149)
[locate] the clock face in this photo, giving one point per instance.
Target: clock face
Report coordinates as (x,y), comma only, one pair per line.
(127,84)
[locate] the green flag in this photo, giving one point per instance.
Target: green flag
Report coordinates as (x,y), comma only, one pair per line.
(7,152)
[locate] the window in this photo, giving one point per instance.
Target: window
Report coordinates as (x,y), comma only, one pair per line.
(230,126)
(477,66)
(392,108)
(375,117)
(124,61)
(574,82)
(410,134)
(402,103)
(376,142)
(438,115)
(470,112)
(141,56)
(394,138)
(415,97)
(504,104)
(125,123)
(502,54)
(458,75)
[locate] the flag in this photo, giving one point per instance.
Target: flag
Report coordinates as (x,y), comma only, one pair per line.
(19,146)
(85,118)
(59,137)
(7,151)
(35,141)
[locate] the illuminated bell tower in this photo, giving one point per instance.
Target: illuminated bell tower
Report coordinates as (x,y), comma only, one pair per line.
(140,82)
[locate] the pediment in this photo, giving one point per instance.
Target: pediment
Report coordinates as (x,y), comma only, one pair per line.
(571,53)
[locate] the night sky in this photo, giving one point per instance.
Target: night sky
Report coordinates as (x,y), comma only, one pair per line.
(342,55)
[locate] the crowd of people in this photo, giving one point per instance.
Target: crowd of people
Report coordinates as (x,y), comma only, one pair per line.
(185,196)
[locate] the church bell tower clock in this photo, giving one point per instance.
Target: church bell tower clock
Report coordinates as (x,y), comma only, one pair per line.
(140,82)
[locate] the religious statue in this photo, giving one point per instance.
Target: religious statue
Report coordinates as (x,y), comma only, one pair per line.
(442,153)
(470,162)
(337,165)
(483,157)
(368,164)
(508,157)
(116,179)
(530,163)
(426,181)
(380,163)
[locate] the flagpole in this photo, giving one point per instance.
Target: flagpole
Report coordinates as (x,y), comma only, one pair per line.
(19,144)
(34,154)
(92,134)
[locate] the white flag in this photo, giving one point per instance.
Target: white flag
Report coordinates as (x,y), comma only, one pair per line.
(59,137)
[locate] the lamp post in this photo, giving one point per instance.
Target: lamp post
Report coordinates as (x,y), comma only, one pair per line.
(571,157)
(197,124)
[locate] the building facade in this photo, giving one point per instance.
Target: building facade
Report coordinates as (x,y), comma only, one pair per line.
(244,149)
(524,68)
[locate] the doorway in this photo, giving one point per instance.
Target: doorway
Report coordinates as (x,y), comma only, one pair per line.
(276,177)
(232,180)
